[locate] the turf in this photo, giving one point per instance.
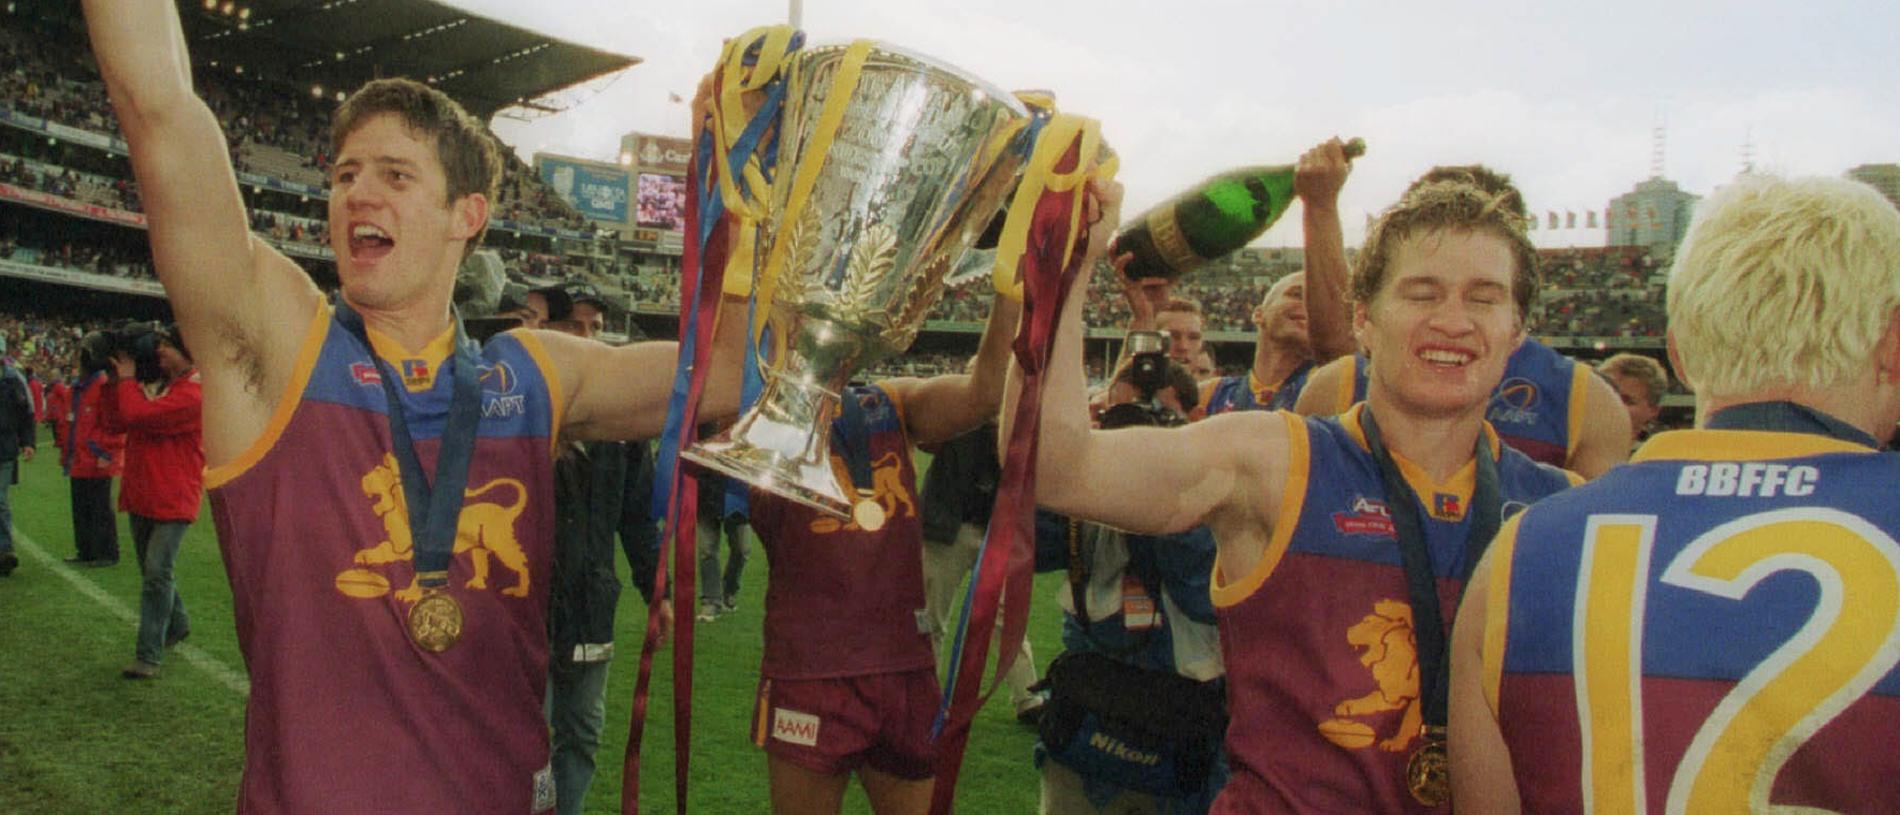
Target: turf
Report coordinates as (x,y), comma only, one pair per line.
(77,738)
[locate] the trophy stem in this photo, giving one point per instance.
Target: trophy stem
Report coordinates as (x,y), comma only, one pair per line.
(792,414)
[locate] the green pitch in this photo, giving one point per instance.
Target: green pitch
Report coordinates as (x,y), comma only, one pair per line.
(77,738)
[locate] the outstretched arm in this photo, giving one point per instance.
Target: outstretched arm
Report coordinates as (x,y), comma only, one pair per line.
(239,303)
(944,407)
(1145,480)
(1317,180)
(620,394)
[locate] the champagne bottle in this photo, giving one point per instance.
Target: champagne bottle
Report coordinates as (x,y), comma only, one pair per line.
(1209,220)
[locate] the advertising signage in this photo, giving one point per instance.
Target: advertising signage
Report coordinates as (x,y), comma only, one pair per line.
(595,191)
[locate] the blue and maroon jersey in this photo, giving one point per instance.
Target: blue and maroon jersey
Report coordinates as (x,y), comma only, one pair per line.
(1322,675)
(1537,408)
(1242,392)
(841,601)
(346,714)
(1713,628)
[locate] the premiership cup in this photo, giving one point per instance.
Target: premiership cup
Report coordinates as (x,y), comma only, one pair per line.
(869,215)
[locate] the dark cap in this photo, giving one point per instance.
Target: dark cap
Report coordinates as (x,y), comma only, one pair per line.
(560,304)
(585,293)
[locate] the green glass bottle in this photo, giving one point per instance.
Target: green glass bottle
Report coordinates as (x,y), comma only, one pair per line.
(1209,220)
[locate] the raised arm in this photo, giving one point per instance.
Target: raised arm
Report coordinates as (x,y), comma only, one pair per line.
(1317,180)
(1146,480)
(242,305)
(944,407)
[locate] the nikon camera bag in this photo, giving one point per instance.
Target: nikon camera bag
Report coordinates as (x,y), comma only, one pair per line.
(1150,731)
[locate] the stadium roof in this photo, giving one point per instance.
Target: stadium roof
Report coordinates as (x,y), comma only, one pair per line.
(485,64)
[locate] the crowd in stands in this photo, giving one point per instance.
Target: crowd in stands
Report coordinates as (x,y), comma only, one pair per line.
(46,345)
(65,182)
(79,257)
(273,129)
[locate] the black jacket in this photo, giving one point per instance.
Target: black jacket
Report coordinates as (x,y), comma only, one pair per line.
(600,490)
(960,487)
(16,413)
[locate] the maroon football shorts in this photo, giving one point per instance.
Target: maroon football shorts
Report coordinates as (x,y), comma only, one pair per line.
(835,726)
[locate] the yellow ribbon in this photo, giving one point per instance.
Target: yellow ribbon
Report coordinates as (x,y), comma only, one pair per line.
(729,120)
(810,161)
(1040,176)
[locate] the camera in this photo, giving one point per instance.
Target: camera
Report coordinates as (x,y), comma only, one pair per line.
(138,340)
(1147,362)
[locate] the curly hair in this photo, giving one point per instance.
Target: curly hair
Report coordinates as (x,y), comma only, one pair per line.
(1447,206)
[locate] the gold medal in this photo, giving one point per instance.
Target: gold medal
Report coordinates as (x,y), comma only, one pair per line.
(435,621)
(1427,773)
(867,512)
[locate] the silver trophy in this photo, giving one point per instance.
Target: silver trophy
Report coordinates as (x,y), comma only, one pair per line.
(921,160)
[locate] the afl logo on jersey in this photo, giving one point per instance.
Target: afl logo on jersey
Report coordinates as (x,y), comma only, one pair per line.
(499,380)
(498,392)
(1514,402)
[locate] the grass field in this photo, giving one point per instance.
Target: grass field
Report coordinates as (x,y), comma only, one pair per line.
(77,738)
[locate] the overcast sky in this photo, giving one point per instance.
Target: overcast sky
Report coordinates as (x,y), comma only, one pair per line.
(1563,97)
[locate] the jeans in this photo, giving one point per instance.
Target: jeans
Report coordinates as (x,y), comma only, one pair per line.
(7,469)
(716,586)
(161,610)
(95,528)
(576,708)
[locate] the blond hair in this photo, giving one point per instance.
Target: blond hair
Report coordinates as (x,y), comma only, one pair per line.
(1642,369)
(1784,283)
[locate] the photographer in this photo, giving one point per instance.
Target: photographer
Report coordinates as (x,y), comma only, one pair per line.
(1138,627)
(92,454)
(158,402)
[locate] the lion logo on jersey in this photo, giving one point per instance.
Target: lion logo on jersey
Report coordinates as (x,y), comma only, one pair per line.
(1387,647)
(483,531)
(887,481)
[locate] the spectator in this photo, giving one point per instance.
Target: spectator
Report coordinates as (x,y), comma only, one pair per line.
(16,444)
(93,454)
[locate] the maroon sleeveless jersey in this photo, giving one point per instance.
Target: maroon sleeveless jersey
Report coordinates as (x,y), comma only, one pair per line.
(346,714)
(840,601)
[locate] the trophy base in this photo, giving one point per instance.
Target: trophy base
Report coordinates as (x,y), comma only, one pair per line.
(773,472)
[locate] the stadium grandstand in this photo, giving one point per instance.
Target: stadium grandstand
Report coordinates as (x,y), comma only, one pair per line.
(73,249)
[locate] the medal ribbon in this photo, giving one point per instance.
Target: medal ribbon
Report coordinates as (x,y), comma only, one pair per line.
(1428,621)
(1037,259)
(1787,417)
(751,61)
(433,510)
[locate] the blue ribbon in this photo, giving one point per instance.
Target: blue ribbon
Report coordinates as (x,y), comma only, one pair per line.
(434,510)
(712,208)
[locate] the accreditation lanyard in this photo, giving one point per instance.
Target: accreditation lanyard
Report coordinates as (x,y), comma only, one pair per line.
(1787,417)
(433,509)
(1428,623)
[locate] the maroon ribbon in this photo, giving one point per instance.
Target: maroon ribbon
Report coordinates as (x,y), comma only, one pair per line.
(1008,578)
(704,278)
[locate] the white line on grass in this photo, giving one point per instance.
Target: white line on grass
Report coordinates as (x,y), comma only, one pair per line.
(234,680)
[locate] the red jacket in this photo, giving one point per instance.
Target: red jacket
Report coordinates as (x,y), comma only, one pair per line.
(87,447)
(164,448)
(56,395)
